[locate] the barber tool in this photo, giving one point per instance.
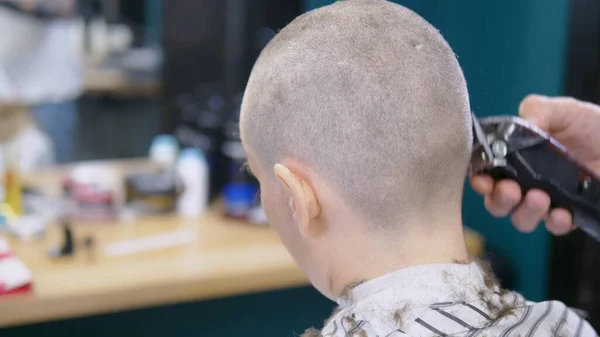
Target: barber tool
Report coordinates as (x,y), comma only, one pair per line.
(151,243)
(241,188)
(193,173)
(240,192)
(13,186)
(93,203)
(508,147)
(150,193)
(90,193)
(67,247)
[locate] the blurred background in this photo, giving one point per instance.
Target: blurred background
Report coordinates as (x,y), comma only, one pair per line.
(93,87)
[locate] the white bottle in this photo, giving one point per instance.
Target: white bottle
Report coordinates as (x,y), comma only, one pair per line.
(193,173)
(163,151)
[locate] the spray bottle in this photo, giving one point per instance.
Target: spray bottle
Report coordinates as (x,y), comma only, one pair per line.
(12,182)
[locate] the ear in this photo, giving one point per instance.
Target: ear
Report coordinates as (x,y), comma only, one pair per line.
(302,201)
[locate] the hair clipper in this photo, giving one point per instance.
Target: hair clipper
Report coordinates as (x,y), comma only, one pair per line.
(508,147)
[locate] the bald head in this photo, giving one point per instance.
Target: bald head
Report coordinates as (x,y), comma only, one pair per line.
(371,97)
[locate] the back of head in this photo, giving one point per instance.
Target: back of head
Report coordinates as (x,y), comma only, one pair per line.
(370,96)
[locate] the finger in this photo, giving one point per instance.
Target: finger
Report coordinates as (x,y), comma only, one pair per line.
(531,211)
(482,184)
(560,222)
(554,114)
(539,111)
(506,195)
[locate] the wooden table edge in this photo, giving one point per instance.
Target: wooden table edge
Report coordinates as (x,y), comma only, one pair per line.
(27,309)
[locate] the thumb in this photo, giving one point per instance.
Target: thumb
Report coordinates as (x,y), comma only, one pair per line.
(554,114)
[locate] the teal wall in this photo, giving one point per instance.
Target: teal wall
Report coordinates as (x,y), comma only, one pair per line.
(507,49)
(154,22)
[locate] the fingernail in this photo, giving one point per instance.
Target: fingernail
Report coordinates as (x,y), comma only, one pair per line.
(533,120)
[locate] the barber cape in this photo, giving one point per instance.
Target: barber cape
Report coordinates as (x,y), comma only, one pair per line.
(447,300)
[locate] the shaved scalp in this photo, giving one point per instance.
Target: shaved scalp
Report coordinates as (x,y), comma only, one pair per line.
(370,96)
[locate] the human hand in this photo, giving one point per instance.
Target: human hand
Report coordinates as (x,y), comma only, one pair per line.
(576,125)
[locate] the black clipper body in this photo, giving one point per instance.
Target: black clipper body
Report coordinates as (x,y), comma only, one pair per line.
(508,147)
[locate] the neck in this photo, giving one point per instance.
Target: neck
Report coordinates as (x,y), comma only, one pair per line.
(391,250)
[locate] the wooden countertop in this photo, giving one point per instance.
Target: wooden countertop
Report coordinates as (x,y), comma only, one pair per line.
(226,258)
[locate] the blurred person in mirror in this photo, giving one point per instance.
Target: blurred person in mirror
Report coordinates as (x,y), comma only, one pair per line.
(576,125)
(357,124)
(40,65)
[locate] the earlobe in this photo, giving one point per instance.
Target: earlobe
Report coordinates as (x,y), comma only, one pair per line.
(303,203)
